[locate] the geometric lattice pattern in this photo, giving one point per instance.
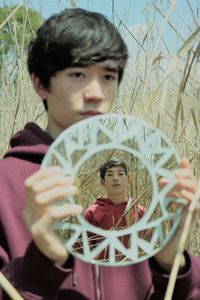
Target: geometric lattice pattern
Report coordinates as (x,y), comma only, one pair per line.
(153,149)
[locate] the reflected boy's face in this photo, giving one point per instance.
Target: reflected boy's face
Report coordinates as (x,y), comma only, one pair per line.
(77,93)
(115,181)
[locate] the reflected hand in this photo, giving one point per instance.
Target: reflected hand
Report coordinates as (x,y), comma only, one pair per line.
(42,190)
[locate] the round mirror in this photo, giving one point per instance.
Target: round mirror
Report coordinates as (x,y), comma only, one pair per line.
(117,162)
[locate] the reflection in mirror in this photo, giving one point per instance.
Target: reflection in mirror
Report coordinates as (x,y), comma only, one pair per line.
(115,190)
(117,162)
(108,195)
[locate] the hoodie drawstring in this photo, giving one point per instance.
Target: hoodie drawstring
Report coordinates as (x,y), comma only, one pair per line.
(74,278)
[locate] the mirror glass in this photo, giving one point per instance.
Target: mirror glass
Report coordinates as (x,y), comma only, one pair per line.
(117,162)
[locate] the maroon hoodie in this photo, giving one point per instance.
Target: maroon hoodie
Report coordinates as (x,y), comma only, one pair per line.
(37,277)
(106,214)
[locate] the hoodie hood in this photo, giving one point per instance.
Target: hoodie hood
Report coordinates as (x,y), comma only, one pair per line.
(107,202)
(106,214)
(113,212)
(30,144)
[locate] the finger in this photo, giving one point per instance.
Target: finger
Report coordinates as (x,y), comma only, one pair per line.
(184,172)
(54,194)
(187,195)
(173,194)
(187,184)
(50,182)
(42,173)
(57,213)
(180,174)
(41,220)
(65,210)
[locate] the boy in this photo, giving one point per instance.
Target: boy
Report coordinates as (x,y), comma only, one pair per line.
(112,212)
(76,63)
(109,212)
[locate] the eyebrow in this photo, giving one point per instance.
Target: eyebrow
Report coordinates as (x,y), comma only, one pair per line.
(119,170)
(83,65)
(113,70)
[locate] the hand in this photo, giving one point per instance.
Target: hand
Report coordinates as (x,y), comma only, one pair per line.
(186,188)
(42,190)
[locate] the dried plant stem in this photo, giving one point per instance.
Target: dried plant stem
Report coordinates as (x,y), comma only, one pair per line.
(182,245)
(10,290)
(12,14)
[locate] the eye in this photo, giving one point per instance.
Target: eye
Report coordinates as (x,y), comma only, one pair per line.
(109,77)
(77,75)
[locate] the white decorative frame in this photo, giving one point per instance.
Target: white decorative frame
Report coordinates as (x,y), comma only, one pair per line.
(118,129)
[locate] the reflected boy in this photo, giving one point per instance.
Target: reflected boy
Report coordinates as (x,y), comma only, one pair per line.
(112,212)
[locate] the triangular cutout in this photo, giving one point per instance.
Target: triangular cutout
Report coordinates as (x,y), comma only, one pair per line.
(61,148)
(131,144)
(157,213)
(76,155)
(54,161)
(102,138)
(61,161)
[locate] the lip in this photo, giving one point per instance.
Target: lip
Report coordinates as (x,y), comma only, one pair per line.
(116,185)
(91,113)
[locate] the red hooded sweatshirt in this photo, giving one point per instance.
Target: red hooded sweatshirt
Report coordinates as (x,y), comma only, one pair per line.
(107,215)
(38,278)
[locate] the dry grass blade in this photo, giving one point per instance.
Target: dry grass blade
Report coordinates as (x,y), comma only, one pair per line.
(166,19)
(124,25)
(195,121)
(181,52)
(171,68)
(183,20)
(186,73)
(163,15)
(10,290)
(11,15)
(188,42)
(192,13)
(182,245)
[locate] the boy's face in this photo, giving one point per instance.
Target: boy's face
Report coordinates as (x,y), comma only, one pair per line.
(115,181)
(77,93)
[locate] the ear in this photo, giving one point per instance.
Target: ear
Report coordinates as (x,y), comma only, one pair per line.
(38,87)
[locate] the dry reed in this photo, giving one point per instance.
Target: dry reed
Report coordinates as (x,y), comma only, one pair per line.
(161,85)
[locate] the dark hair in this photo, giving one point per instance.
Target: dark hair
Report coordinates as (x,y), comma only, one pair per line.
(112,162)
(75,37)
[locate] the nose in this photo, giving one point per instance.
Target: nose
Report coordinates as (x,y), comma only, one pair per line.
(115,177)
(94,92)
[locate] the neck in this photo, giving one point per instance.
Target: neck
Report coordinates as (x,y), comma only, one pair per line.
(117,198)
(53,131)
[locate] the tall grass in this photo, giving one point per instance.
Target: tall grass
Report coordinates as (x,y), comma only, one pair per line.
(161,84)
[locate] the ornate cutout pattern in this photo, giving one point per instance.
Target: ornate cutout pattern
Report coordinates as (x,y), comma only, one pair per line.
(153,149)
